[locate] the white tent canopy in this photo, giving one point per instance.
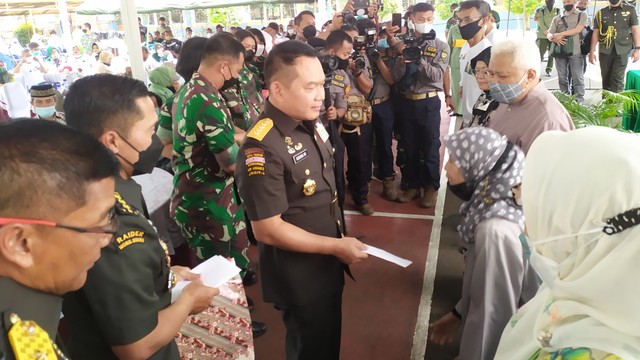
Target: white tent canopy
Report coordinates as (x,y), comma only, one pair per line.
(94,7)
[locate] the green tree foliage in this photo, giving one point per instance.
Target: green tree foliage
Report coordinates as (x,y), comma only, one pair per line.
(527,7)
(225,16)
(24,32)
(390,7)
(443,8)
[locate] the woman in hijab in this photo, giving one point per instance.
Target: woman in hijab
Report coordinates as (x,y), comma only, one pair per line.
(104,63)
(582,210)
(485,105)
(483,170)
(161,79)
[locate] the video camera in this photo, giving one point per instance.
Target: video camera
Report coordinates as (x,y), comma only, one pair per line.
(330,63)
(412,51)
(365,42)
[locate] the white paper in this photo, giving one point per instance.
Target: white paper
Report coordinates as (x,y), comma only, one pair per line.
(385,255)
(213,272)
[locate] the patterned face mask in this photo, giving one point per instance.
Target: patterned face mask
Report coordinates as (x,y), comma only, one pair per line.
(506,93)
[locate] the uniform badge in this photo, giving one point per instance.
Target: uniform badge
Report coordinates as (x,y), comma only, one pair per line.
(309,187)
(322,132)
(29,340)
(338,77)
(298,146)
(300,156)
(288,140)
(261,129)
(290,149)
(255,161)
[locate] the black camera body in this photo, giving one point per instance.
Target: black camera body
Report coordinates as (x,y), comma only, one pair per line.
(330,63)
(367,43)
(412,51)
(348,18)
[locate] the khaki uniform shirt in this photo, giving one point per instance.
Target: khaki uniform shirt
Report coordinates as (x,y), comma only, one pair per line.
(545,16)
(573,19)
(285,168)
(430,76)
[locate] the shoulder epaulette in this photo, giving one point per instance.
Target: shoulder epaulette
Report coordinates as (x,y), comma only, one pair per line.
(260,129)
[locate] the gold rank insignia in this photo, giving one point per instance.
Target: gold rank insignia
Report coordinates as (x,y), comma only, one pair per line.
(29,341)
(122,207)
(260,129)
(288,140)
(309,187)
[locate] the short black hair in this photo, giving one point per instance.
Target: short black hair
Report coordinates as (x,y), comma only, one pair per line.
(222,45)
(482,6)
(145,49)
(258,34)
(285,54)
(46,168)
(189,57)
(349,28)
(162,18)
(337,38)
(273,25)
(87,25)
(53,32)
(423,7)
(103,102)
(453,6)
(298,19)
(33,45)
(219,26)
(243,34)
(188,29)
(364,24)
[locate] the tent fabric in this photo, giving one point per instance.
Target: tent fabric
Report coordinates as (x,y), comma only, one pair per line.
(96,7)
(35,7)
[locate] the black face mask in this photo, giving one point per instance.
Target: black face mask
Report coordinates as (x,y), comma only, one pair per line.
(309,31)
(614,2)
(568,7)
(229,83)
(581,9)
(470,30)
(147,159)
(84,31)
(343,64)
(249,55)
(464,191)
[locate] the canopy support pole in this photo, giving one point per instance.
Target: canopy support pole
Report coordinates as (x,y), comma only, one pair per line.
(64,24)
(132,37)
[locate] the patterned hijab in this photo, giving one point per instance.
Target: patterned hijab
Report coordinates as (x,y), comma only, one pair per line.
(493,167)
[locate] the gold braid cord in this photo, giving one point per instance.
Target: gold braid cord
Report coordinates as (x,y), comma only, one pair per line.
(607,37)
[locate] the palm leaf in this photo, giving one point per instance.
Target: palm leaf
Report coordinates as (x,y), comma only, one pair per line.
(604,112)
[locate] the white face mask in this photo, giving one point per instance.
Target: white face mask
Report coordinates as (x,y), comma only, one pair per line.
(259,50)
(411,25)
(548,269)
(423,28)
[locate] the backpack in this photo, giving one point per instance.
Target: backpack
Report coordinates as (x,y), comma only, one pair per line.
(585,42)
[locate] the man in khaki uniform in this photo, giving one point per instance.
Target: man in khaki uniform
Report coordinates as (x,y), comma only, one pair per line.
(543,16)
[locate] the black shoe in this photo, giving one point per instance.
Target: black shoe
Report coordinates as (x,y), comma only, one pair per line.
(548,73)
(258,328)
(250,304)
(250,278)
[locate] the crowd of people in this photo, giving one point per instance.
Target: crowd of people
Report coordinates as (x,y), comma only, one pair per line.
(248,131)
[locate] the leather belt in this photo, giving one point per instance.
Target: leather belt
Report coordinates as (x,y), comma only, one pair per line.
(379,100)
(412,96)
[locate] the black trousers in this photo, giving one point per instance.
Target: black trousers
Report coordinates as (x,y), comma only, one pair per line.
(382,121)
(421,136)
(359,147)
(313,330)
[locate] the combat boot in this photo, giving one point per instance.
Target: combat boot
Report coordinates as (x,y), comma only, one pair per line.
(429,197)
(408,195)
(389,189)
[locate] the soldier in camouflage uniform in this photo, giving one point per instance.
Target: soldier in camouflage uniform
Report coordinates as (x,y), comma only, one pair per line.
(204,201)
(245,100)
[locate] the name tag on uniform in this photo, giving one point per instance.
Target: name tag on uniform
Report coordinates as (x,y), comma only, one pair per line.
(338,77)
(338,83)
(322,132)
(300,156)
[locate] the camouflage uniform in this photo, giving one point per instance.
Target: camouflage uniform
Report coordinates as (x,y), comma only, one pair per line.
(245,101)
(204,201)
(165,121)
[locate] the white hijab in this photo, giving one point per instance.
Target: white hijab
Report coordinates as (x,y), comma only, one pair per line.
(572,183)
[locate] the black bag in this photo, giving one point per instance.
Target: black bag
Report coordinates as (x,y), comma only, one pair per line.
(585,43)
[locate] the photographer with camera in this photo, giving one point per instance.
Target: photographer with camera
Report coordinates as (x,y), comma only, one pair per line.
(355,128)
(419,74)
(382,107)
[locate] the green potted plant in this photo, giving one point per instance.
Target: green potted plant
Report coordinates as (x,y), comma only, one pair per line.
(614,110)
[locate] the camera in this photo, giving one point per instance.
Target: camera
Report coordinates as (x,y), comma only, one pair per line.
(367,43)
(348,18)
(330,63)
(412,51)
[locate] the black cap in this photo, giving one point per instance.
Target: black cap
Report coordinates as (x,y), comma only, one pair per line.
(42,91)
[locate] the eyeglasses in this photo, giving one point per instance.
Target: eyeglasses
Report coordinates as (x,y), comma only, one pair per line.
(466,20)
(482,74)
(111,228)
